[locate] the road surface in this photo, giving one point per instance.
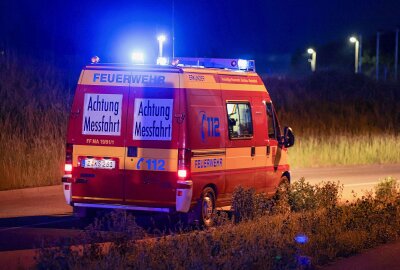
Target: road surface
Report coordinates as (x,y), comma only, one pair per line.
(360,178)
(28,216)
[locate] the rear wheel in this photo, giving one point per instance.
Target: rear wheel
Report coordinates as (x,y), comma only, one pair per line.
(206,206)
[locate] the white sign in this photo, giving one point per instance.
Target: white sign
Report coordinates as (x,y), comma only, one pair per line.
(152,119)
(102,114)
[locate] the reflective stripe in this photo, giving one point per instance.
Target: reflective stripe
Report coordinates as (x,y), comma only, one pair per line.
(95,198)
(125,207)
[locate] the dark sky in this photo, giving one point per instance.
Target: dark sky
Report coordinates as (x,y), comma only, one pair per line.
(248,28)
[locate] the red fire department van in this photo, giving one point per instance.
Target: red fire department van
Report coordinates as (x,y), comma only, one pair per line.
(176,138)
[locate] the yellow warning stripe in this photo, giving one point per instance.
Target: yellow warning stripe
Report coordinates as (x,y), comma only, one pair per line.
(95,198)
(203,160)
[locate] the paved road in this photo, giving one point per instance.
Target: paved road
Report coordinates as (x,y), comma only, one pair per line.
(29,215)
(359,178)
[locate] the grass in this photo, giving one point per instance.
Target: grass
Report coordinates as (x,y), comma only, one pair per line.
(338,119)
(312,230)
(333,104)
(34,107)
(312,151)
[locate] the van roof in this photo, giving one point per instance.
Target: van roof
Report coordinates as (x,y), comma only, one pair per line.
(169,69)
(188,64)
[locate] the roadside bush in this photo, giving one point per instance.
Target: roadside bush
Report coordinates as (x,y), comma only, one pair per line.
(387,190)
(302,196)
(305,197)
(319,231)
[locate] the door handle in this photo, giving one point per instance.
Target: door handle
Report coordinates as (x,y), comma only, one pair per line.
(253,151)
(268,150)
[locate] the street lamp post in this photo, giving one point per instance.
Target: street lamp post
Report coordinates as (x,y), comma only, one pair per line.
(357,45)
(161,39)
(396,54)
(160,59)
(378,34)
(313,59)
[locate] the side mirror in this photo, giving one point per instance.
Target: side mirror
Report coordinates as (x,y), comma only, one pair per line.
(288,137)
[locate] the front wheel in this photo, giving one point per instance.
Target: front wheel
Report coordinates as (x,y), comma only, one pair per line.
(281,197)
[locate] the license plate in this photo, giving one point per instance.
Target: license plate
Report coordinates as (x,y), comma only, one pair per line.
(98,163)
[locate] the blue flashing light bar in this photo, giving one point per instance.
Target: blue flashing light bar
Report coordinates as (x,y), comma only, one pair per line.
(235,64)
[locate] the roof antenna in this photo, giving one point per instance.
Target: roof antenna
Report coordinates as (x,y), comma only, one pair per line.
(173,29)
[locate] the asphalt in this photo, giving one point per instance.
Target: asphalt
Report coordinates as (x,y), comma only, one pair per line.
(384,257)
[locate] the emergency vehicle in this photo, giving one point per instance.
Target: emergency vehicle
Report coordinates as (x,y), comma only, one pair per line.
(176,138)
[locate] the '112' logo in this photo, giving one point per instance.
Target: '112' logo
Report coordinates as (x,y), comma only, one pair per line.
(209,126)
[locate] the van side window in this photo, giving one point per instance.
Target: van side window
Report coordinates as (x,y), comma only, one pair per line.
(273,126)
(240,124)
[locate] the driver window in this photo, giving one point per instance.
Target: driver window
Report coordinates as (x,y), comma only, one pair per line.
(273,127)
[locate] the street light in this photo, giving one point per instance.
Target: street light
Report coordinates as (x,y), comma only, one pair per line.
(357,45)
(313,59)
(161,39)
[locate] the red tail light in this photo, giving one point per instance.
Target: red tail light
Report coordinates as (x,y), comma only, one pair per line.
(182,173)
(68,168)
(184,158)
(68,158)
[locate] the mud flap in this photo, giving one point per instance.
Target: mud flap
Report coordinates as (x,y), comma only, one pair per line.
(67,192)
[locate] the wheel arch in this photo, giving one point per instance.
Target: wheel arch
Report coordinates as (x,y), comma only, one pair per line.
(214,187)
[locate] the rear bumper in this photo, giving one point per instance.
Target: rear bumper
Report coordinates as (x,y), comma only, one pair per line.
(182,203)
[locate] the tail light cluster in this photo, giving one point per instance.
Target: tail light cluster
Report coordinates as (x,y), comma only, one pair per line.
(68,159)
(184,158)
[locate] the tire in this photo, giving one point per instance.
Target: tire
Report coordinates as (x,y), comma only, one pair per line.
(283,185)
(205,208)
(281,197)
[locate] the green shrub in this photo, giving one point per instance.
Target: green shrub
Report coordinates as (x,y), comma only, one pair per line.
(387,190)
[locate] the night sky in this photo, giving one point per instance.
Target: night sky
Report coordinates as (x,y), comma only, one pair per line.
(255,29)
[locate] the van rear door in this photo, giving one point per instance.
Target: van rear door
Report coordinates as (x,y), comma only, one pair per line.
(152,138)
(96,129)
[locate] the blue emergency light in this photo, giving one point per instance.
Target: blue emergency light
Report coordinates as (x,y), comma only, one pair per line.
(232,64)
